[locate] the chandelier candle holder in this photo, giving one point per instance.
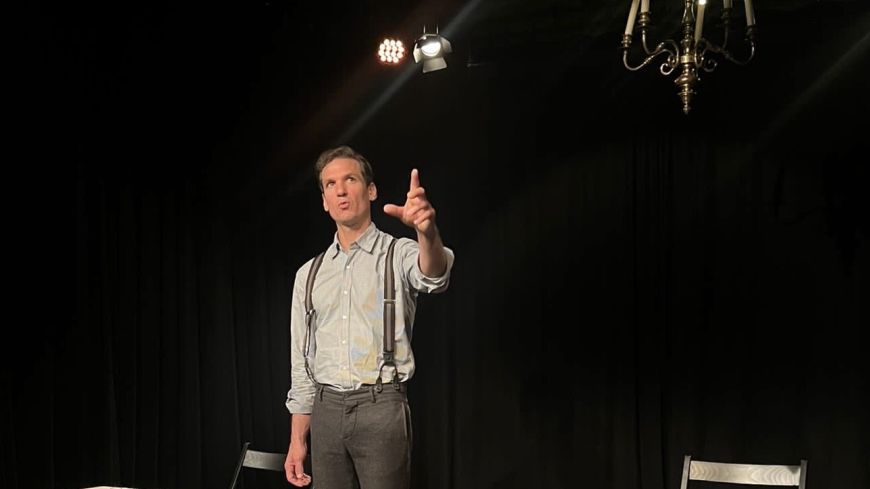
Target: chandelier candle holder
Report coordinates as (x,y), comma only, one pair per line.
(693,52)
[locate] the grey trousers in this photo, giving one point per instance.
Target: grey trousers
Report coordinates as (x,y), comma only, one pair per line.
(361,438)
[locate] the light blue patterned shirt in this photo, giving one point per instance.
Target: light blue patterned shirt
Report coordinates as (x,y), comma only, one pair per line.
(347,339)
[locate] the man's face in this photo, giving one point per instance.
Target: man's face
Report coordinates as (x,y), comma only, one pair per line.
(346,196)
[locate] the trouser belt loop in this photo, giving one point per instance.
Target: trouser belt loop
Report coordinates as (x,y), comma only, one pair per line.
(320,391)
(372,391)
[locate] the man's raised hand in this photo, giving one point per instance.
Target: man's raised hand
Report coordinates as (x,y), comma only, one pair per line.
(417,212)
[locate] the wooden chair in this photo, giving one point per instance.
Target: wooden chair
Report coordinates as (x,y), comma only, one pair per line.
(752,474)
(257,460)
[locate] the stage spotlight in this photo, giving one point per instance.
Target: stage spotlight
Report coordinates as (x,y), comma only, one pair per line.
(431,48)
(391,51)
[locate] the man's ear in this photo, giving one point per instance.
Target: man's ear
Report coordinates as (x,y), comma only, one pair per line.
(325,207)
(373,192)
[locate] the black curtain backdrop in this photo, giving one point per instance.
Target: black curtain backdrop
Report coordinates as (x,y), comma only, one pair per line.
(631,284)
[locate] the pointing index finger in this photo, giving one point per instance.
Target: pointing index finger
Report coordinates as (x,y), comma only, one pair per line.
(415,179)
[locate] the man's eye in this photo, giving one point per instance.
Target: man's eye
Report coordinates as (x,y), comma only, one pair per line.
(329,184)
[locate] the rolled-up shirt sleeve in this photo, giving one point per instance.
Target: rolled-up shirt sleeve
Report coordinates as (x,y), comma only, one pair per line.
(411,264)
(300,397)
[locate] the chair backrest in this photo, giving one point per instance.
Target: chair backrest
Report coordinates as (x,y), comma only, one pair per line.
(255,459)
(751,474)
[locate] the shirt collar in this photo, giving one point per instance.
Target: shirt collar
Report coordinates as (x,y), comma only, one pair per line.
(365,242)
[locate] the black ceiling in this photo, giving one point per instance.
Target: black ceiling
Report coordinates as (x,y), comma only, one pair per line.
(152,75)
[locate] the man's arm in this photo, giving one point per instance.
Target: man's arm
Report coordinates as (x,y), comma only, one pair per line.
(301,394)
(293,466)
(433,258)
(300,397)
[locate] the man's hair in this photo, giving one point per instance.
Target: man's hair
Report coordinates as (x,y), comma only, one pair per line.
(342,152)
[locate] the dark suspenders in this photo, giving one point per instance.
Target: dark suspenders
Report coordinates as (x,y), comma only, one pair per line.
(309,311)
(389,320)
(389,316)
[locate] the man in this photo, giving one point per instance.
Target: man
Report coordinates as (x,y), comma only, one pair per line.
(353,401)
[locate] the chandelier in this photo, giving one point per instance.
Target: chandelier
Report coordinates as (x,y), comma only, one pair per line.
(694,52)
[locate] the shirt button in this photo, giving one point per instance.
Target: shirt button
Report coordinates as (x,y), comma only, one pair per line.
(344,292)
(344,317)
(347,267)
(343,342)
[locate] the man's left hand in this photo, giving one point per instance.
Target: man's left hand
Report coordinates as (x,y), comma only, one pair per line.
(417,212)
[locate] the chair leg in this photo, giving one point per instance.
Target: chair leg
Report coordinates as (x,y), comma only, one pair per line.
(239,465)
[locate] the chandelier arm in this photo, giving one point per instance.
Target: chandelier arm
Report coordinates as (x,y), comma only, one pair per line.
(727,54)
(708,64)
(701,59)
(660,49)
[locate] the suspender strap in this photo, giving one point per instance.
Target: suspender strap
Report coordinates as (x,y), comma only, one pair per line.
(310,313)
(389,320)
